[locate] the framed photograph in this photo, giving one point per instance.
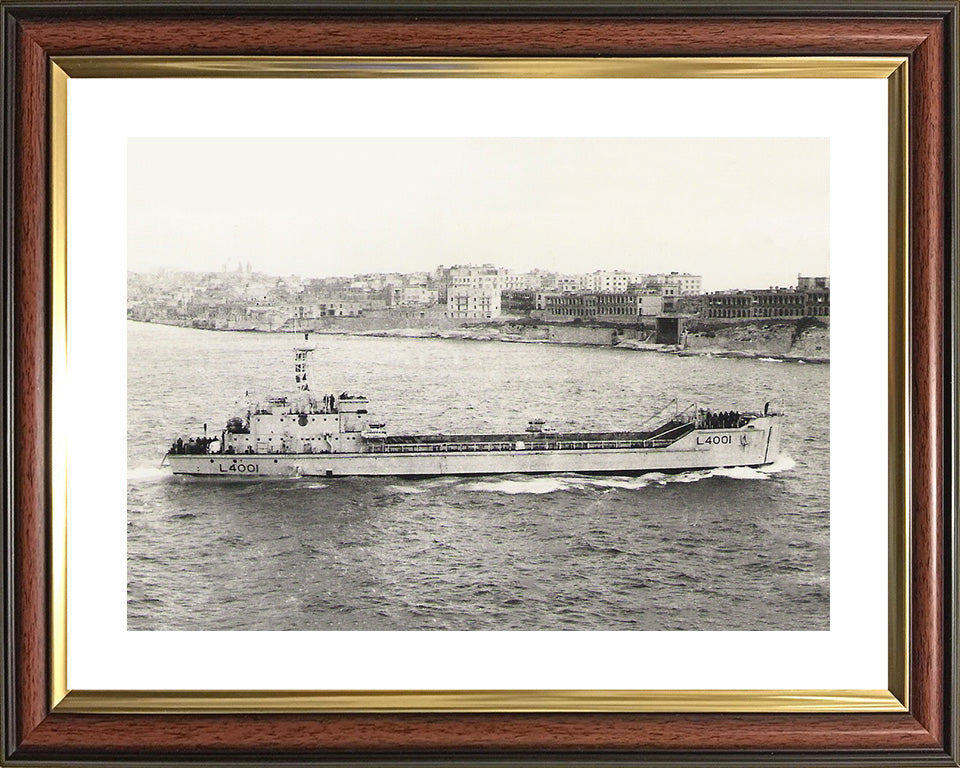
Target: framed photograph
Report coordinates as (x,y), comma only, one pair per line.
(455,383)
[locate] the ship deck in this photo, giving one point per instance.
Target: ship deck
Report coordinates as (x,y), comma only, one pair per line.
(531,441)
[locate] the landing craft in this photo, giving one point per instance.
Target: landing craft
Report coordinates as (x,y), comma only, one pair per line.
(331,436)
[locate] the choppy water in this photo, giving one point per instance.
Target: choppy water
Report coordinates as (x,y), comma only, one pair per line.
(723,550)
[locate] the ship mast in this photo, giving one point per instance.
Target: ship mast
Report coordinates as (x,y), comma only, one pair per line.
(301,359)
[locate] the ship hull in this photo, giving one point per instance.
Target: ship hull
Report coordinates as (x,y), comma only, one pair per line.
(755,445)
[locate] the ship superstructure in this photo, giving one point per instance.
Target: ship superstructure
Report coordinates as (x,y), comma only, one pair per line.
(331,435)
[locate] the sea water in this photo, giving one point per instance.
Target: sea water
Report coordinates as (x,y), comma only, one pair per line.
(730,549)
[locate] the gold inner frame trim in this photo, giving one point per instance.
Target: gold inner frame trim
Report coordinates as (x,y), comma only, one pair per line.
(894,69)
(58,370)
(131,702)
(470,67)
(898,384)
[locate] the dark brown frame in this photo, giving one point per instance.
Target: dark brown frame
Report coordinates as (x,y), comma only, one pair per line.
(926,32)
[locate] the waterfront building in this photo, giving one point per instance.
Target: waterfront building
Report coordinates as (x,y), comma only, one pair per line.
(416,295)
(770,304)
(812,283)
(474,292)
(689,305)
(473,303)
(518,302)
(604,306)
(328,307)
(441,281)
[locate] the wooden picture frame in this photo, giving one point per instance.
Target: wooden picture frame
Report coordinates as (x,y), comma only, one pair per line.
(39,729)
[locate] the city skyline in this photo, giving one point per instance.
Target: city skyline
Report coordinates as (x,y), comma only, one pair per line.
(251,269)
(740,212)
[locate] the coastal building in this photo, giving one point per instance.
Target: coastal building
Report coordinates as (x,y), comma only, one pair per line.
(770,303)
(242,298)
(812,283)
(670,329)
(689,305)
(518,302)
(474,292)
(440,279)
(328,307)
(603,306)
(415,295)
(473,303)
(264,317)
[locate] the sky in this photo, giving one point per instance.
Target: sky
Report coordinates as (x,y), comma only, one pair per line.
(744,213)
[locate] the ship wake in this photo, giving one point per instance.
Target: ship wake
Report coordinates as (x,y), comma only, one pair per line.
(544,484)
(140,475)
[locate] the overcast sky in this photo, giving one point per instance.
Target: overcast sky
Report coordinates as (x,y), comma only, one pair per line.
(744,213)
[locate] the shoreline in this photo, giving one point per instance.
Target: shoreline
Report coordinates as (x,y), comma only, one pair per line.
(633,346)
(493,336)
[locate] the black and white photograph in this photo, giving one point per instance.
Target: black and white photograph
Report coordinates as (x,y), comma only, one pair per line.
(478,384)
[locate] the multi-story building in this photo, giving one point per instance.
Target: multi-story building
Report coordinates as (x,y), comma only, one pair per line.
(812,283)
(486,277)
(520,302)
(609,281)
(817,303)
(418,295)
(674,283)
(771,303)
(329,307)
(440,279)
(474,292)
(473,303)
(524,281)
(567,283)
(606,306)
(512,281)
(689,305)
(547,280)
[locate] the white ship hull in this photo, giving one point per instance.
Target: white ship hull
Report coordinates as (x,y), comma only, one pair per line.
(755,444)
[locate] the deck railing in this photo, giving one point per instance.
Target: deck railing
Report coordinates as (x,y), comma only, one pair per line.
(528,445)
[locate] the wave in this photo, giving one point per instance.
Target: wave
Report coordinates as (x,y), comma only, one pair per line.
(782,464)
(624,483)
(146,474)
(537,484)
(405,489)
(296,484)
(740,473)
(542,484)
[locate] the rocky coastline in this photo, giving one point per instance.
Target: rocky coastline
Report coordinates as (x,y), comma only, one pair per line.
(804,340)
